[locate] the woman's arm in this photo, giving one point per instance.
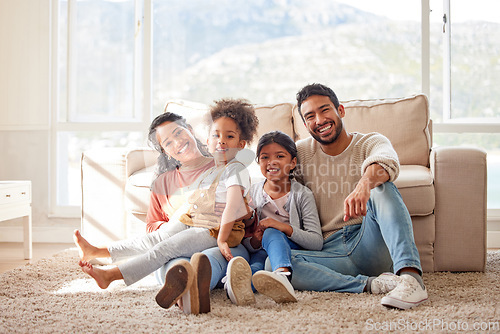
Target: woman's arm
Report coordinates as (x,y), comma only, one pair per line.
(155,216)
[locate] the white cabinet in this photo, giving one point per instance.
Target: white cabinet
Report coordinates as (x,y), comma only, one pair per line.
(15,202)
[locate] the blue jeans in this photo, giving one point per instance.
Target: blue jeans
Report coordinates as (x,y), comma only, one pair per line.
(217,262)
(277,246)
(382,242)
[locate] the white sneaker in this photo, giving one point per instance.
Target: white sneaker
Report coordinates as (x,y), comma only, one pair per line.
(275,285)
(407,294)
(384,283)
(238,282)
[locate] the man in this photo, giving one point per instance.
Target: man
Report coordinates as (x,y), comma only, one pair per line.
(366,227)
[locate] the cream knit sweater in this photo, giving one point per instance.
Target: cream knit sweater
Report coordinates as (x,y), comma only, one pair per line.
(333,178)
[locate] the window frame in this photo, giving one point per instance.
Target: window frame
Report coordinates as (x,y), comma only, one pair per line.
(143,88)
(450,125)
(142,84)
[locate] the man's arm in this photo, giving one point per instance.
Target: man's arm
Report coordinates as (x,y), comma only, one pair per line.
(355,203)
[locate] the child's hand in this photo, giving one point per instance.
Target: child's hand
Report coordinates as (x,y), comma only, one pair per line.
(257,234)
(225,250)
(267,222)
(256,240)
(270,222)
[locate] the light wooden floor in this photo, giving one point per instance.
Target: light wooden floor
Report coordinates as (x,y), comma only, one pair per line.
(12,255)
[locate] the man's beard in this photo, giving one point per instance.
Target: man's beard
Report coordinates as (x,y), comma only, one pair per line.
(338,130)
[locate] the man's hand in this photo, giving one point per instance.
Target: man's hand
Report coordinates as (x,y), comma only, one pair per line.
(355,203)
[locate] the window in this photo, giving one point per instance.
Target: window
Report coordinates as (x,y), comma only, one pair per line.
(99,101)
(267,50)
(121,60)
(99,70)
(465,58)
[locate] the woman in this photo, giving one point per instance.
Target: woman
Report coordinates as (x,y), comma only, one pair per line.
(182,161)
(192,228)
(180,164)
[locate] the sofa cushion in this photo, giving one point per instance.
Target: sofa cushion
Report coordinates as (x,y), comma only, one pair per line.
(274,117)
(405,121)
(271,117)
(416,185)
(424,231)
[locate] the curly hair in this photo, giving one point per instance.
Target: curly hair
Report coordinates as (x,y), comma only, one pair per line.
(239,110)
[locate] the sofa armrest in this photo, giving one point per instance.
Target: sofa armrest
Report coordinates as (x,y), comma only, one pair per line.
(460,186)
(140,158)
(141,165)
(103,181)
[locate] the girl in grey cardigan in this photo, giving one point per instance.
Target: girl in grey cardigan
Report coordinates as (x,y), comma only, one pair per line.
(286,218)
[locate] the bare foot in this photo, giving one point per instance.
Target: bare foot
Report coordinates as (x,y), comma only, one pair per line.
(97,274)
(85,249)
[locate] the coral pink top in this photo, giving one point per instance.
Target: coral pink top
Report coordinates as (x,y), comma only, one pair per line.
(170,190)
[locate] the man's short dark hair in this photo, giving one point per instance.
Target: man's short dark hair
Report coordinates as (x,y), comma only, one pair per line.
(316,89)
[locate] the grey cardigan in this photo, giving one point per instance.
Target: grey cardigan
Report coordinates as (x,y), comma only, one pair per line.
(304,217)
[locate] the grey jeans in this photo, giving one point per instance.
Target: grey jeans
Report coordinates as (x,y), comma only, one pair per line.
(151,251)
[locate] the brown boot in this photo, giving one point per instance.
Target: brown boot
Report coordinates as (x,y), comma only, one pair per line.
(197,299)
(178,280)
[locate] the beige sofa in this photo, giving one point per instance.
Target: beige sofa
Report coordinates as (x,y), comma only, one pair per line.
(443,188)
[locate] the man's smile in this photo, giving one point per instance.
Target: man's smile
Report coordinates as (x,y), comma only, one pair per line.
(323,129)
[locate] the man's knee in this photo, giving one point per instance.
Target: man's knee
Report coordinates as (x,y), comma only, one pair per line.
(386,193)
(384,190)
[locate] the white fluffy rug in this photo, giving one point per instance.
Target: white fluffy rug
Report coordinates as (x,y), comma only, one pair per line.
(54,296)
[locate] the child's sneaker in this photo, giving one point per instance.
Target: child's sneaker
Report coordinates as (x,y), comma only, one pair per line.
(178,280)
(238,282)
(384,283)
(275,285)
(409,293)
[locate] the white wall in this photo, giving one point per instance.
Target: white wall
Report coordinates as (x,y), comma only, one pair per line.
(25,104)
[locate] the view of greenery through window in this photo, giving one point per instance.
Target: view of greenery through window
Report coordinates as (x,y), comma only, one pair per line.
(265,50)
(475,57)
(101,61)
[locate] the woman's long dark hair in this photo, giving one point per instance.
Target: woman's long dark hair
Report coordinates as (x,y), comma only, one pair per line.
(281,139)
(165,162)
